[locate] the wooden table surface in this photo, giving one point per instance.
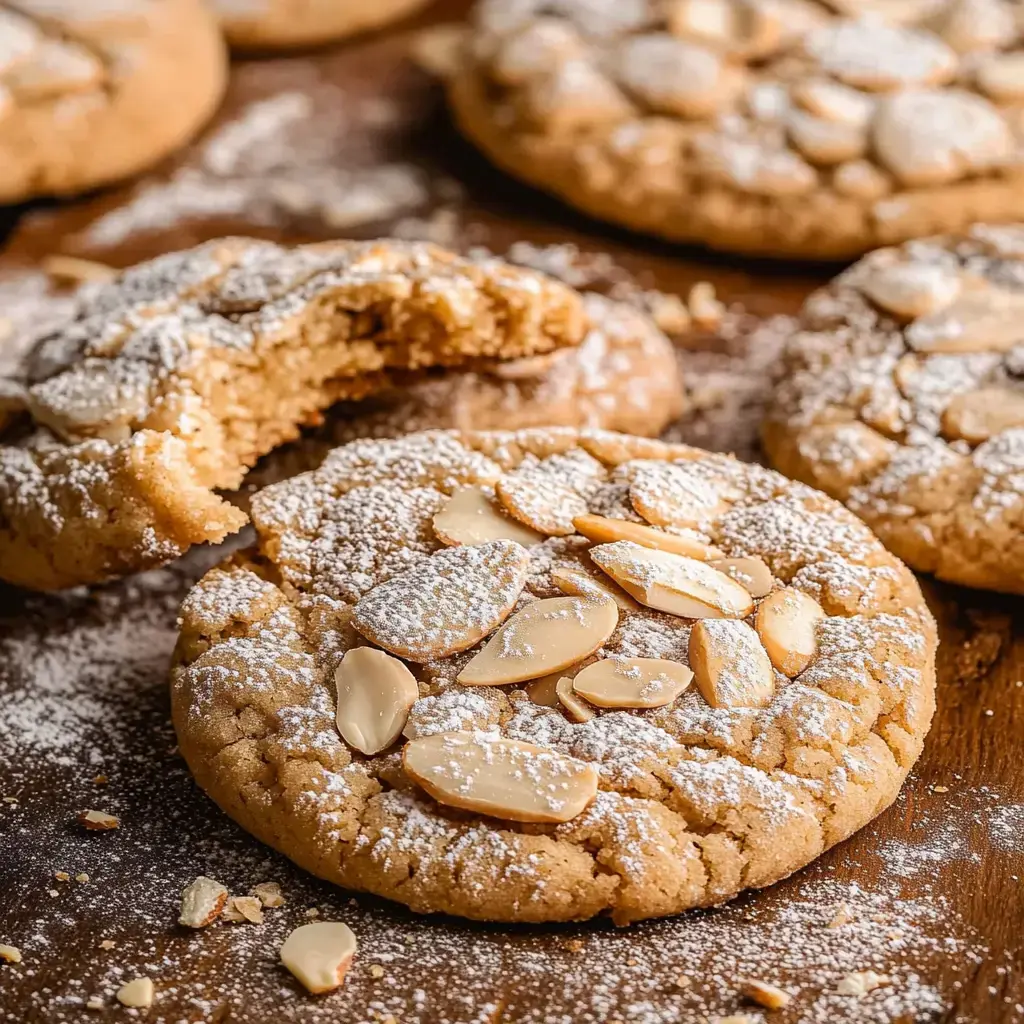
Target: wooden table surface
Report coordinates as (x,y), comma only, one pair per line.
(931,892)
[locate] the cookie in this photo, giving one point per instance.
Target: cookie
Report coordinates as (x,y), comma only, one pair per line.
(903,396)
(625,375)
(284,24)
(784,127)
(80,84)
(170,381)
(550,674)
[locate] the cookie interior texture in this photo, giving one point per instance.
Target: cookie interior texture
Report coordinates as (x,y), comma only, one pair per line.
(903,396)
(283,24)
(178,375)
(79,84)
(789,127)
(724,786)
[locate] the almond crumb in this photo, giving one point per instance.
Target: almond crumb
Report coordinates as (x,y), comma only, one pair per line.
(107,944)
(574,945)
(771,997)
(12,800)
(98,821)
(137,993)
(202,902)
(704,307)
(843,915)
(62,876)
(52,892)
(268,893)
(683,981)
(860,983)
(320,954)
(244,908)
(940,789)
(100,780)
(82,877)
(94,1003)
(312,912)
(11,954)
(376,971)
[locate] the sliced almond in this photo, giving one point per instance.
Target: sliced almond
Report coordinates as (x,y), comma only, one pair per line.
(990,320)
(375,693)
(786,622)
(730,666)
(860,983)
(503,778)
(580,583)
(604,530)
(544,691)
(975,416)
(771,997)
(98,821)
(201,902)
(672,583)
(750,572)
(546,495)
(470,517)
(445,604)
(319,954)
(545,636)
(579,711)
(1001,76)
(137,993)
(244,908)
(675,494)
(632,682)
(911,290)
(10,954)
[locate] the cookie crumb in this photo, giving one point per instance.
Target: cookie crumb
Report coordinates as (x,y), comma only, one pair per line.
(860,983)
(137,993)
(94,1003)
(11,954)
(98,821)
(268,893)
(107,944)
(771,997)
(940,789)
(376,971)
(574,945)
(82,877)
(312,912)
(62,876)
(704,306)
(244,908)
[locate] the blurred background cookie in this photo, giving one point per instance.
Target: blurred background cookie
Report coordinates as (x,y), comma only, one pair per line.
(281,24)
(90,93)
(785,127)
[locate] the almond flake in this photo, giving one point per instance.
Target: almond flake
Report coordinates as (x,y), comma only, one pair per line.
(547,495)
(603,530)
(244,908)
(750,572)
(975,416)
(98,821)
(676,494)
(319,954)
(445,604)
(860,983)
(578,582)
(94,1003)
(268,893)
(579,711)
(730,667)
(632,682)
(672,583)
(202,902)
(502,778)
(911,290)
(375,693)
(991,320)
(470,517)
(771,997)
(137,993)
(10,954)
(786,622)
(544,691)
(75,270)
(545,636)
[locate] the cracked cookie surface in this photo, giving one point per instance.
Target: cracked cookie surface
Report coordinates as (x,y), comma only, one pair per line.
(79,84)
(788,127)
(283,24)
(170,381)
(703,675)
(902,394)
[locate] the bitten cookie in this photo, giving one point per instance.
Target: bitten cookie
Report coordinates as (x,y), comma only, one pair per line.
(544,675)
(785,127)
(282,24)
(169,382)
(903,396)
(94,92)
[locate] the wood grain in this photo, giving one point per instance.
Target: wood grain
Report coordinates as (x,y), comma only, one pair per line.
(83,693)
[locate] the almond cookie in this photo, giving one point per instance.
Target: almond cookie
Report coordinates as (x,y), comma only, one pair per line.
(282,24)
(170,381)
(550,674)
(785,127)
(903,396)
(94,92)
(625,375)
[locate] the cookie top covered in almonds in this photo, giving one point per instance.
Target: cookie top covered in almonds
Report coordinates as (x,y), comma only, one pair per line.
(79,82)
(903,396)
(178,374)
(787,126)
(548,674)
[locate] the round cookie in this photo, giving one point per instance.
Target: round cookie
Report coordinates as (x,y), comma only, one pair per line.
(903,396)
(166,383)
(786,127)
(90,93)
(284,24)
(550,674)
